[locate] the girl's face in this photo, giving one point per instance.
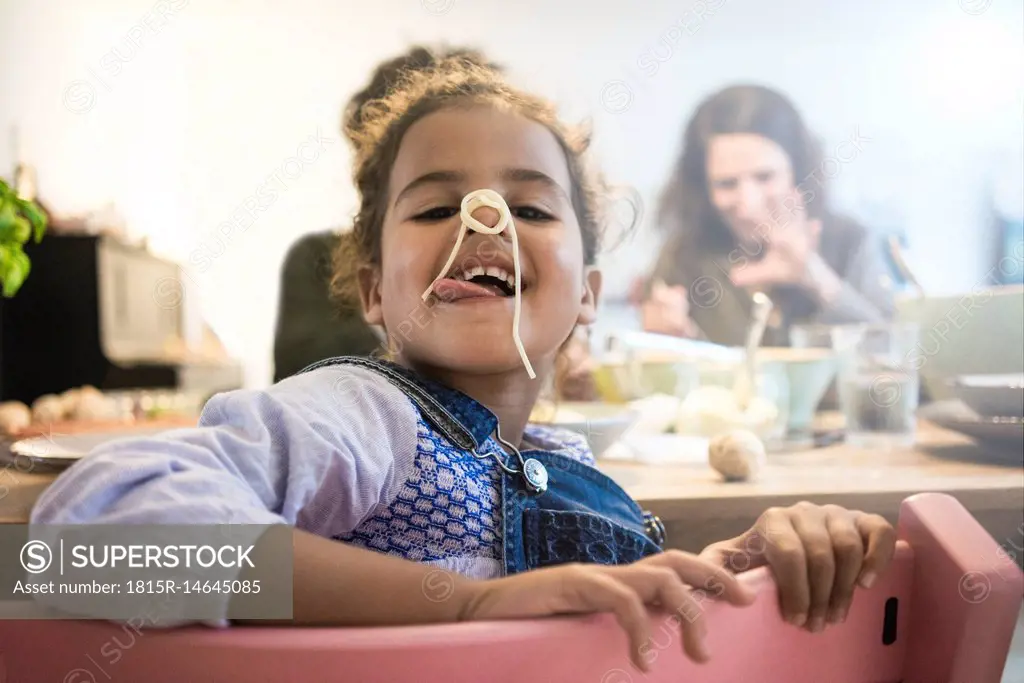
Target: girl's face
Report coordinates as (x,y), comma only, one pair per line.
(748,178)
(443,157)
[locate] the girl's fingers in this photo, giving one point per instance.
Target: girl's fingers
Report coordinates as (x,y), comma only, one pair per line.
(880,541)
(662,585)
(601,592)
(785,553)
(712,580)
(848,548)
(693,628)
(811,527)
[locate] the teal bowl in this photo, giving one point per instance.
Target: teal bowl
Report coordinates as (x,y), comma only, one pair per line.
(810,372)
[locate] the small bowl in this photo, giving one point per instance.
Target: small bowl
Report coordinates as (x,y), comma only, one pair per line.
(810,372)
(603,424)
(992,395)
(649,373)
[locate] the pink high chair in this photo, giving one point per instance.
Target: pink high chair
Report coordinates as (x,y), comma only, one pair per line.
(944,613)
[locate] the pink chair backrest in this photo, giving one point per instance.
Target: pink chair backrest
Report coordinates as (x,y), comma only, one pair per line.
(944,613)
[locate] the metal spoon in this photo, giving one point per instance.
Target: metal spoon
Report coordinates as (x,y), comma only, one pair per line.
(746,379)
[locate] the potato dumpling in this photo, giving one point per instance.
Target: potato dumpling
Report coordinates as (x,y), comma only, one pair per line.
(48,408)
(738,455)
(86,403)
(93,406)
(15,416)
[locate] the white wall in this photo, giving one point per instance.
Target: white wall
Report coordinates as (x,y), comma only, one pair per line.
(218,94)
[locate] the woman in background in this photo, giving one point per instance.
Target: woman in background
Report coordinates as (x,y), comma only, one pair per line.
(746,211)
(311,325)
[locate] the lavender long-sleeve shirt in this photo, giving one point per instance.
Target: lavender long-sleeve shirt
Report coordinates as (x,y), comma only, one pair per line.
(322,451)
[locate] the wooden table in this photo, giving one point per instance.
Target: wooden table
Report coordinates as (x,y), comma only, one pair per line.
(697,508)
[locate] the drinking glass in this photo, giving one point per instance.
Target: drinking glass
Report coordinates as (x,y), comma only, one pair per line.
(878,383)
(817,336)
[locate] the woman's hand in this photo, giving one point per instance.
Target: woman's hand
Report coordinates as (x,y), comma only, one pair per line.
(673,581)
(790,244)
(817,554)
(667,311)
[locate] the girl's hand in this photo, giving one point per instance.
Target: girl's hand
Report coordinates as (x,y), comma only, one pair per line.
(817,554)
(667,311)
(673,581)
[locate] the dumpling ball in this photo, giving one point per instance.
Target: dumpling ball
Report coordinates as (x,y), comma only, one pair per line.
(738,455)
(48,408)
(14,417)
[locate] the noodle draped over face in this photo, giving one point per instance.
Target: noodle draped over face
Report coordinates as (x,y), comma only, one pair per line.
(470,203)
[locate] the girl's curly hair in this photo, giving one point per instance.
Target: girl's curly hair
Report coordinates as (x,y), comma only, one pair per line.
(451,82)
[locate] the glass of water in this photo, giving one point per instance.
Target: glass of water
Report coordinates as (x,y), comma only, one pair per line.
(878,383)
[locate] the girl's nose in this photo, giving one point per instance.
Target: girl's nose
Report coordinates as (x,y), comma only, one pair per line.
(487,216)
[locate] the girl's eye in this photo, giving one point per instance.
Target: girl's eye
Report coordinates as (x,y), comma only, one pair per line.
(439,213)
(528,213)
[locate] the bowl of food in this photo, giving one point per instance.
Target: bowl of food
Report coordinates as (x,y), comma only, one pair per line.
(712,410)
(602,424)
(791,383)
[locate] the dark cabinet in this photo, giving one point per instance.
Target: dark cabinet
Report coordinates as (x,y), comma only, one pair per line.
(100,312)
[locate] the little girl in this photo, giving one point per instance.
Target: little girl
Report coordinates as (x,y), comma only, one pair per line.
(477,235)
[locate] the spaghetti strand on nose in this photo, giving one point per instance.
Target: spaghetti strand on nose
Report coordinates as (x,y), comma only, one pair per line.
(470,203)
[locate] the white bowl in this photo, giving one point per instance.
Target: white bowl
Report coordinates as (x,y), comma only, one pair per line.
(992,395)
(603,424)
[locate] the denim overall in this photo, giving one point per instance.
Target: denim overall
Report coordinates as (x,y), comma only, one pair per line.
(554,509)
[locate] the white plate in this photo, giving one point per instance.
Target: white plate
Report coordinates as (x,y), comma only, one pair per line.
(667,449)
(1005,434)
(1006,430)
(63,450)
(992,395)
(603,426)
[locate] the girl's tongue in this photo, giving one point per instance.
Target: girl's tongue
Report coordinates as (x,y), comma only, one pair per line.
(450,290)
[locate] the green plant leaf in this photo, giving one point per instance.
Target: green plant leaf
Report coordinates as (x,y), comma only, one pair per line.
(35,216)
(7,218)
(16,271)
(22,230)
